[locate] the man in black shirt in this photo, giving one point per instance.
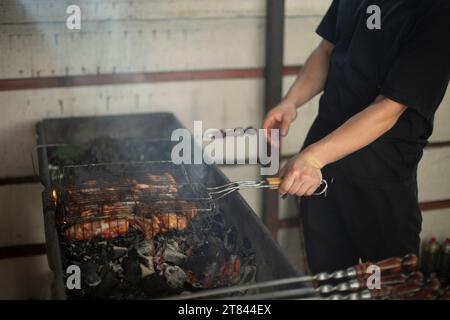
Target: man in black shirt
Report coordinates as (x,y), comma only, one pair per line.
(381,88)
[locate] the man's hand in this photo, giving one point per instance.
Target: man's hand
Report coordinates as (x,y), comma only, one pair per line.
(310,81)
(281,118)
(301,175)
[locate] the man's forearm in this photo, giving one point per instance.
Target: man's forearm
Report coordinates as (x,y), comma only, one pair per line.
(357,132)
(312,77)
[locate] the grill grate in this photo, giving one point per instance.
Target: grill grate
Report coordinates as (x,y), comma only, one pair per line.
(106,200)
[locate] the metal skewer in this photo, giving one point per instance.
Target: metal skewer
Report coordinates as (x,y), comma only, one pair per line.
(285,294)
(268,183)
(341,274)
(406,264)
(216,292)
(352,286)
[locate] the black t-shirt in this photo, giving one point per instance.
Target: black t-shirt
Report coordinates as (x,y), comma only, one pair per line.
(407,60)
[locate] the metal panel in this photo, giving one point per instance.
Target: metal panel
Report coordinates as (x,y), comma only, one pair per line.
(273,91)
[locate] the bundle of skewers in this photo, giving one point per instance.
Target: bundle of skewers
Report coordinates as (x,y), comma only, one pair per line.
(390,279)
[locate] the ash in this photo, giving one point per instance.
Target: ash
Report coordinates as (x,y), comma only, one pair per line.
(207,254)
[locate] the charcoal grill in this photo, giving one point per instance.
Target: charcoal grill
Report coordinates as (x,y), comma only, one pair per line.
(150,133)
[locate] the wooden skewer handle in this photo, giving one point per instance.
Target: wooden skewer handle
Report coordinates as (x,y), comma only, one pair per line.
(392,265)
(391,279)
(433,284)
(274,182)
(421,295)
(445,295)
(409,287)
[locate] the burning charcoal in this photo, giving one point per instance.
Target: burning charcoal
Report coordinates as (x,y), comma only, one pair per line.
(89,274)
(147,270)
(108,285)
(173,256)
(210,250)
(116,267)
(148,261)
(211,271)
(146,248)
(128,239)
(154,285)
(175,277)
(119,252)
(230,240)
(161,268)
(172,244)
(132,270)
(171,253)
(248,274)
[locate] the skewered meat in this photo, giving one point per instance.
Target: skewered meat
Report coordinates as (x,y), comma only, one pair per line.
(109,209)
(111,228)
(99,228)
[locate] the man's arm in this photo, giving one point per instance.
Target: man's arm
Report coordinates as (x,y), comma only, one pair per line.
(357,132)
(302,175)
(312,76)
(310,81)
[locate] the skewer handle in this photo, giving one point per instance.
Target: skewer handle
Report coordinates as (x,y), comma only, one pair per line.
(433,284)
(430,291)
(393,279)
(274,182)
(392,265)
(421,295)
(409,287)
(446,294)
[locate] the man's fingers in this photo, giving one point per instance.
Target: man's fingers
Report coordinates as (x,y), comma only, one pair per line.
(283,171)
(267,126)
(286,122)
(268,123)
(284,129)
(286,184)
(268,135)
(311,190)
(305,187)
(295,188)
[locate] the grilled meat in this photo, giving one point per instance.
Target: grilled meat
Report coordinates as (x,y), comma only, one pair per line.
(114,227)
(107,210)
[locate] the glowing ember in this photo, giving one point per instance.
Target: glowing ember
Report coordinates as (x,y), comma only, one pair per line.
(54,196)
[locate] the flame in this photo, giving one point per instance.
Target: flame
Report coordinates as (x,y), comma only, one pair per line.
(54,196)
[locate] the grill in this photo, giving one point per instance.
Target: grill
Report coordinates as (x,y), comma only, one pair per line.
(110,188)
(140,227)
